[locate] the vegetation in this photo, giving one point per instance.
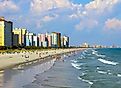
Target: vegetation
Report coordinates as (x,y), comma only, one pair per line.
(19,49)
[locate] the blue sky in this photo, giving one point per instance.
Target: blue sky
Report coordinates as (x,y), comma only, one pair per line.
(91,21)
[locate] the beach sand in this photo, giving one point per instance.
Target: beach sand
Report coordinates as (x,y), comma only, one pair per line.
(11,60)
(49,73)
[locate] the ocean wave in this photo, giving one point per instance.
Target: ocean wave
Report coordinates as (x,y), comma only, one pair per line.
(76,66)
(98,68)
(94,52)
(83,74)
(87,81)
(102,72)
(83,53)
(99,55)
(82,57)
(119,75)
(108,62)
(74,61)
(109,73)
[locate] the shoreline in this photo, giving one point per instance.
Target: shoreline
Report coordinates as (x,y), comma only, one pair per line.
(29,58)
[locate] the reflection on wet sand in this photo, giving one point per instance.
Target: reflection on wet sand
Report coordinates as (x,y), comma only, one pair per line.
(16,78)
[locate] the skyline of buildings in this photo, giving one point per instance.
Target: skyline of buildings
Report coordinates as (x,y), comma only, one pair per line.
(10,36)
(86,45)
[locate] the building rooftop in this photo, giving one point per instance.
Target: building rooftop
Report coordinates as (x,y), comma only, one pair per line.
(3,19)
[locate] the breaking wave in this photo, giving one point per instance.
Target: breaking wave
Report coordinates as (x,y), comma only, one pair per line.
(108,62)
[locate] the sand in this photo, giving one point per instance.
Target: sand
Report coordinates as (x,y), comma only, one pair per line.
(9,60)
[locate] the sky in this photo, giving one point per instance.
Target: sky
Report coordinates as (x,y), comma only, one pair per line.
(91,21)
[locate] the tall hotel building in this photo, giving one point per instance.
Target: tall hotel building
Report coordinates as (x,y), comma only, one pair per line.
(5,32)
(30,39)
(56,39)
(35,40)
(49,38)
(43,40)
(21,32)
(65,41)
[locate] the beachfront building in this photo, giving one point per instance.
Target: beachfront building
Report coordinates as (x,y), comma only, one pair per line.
(35,41)
(31,35)
(39,40)
(43,41)
(48,39)
(21,32)
(27,38)
(5,32)
(56,39)
(65,41)
(45,44)
(59,39)
(15,40)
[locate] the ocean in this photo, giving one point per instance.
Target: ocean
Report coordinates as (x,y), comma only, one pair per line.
(90,68)
(101,68)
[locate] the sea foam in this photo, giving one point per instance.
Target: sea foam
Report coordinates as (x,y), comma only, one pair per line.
(99,55)
(76,66)
(119,75)
(108,62)
(87,81)
(102,72)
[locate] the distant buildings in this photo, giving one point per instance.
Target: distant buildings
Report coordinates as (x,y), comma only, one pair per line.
(5,32)
(21,37)
(85,45)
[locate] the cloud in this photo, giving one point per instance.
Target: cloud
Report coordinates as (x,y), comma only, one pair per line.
(8,5)
(101,5)
(39,6)
(95,13)
(86,24)
(49,17)
(113,24)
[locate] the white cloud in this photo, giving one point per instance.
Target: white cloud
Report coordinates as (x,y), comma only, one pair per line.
(8,5)
(101,4)
(86,24)
(113,24)
(94,13)
(49,18)
(45,5)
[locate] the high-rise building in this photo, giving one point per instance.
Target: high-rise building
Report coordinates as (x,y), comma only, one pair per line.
(31,39)
(59,39)
(49,39)
(5,32)
(56,39)
(45,44)
(65,41)
(42,39)
(27,39)
(39,38)
(15,40)
(35,41)
(22,35)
